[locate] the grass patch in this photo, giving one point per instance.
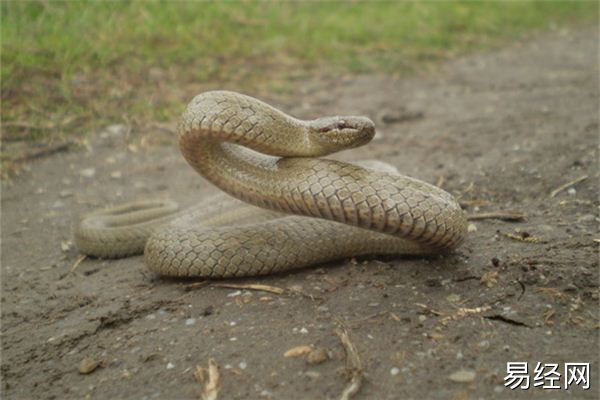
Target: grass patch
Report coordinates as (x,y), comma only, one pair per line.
(69,66)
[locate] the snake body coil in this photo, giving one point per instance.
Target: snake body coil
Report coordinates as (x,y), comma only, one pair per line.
(309,210)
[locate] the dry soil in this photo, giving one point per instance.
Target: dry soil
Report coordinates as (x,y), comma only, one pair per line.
(500,130)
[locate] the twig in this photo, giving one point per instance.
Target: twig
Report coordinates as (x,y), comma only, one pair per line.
(567,185)
(77,262)
(523,237)
(503,215)
(548,316)
(250,286)
(43,152)
(368,317)
(355,364)
(440,181)
(305,295)
(211,378)
(428,309)
(469,188)
(474,202)
(26,125)
(555,293)
(195,285)
(463,312)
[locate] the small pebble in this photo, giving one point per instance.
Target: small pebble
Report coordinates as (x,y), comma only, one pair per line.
(66,245)
(190,321)
(87,366)
(462,376)
(394,371)
(88,172)
(453,298)
(243,364)
(570,288)
(170,366)
(312,374)
(317,356)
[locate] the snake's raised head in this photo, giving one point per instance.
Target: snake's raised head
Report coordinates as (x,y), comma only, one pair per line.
(331,134)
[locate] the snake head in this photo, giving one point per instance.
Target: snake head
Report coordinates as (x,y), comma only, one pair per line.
(331,134)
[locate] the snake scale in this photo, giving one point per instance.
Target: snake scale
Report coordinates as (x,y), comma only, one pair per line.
(294,209)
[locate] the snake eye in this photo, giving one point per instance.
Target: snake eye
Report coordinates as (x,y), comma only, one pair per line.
(337,125)
(341,124)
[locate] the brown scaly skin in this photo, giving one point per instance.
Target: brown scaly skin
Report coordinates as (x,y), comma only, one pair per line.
(355,210)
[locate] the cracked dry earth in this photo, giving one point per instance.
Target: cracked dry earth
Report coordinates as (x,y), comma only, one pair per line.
(500,130)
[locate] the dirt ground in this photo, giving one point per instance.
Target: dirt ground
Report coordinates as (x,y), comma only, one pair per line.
(500,130)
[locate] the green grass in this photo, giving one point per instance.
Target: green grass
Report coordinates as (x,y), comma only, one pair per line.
(70,66)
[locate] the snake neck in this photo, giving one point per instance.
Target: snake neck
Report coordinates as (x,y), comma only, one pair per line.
(231,117)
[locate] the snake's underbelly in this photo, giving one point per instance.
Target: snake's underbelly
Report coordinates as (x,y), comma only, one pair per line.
(305,210)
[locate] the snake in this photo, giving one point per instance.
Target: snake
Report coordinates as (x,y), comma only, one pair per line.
(283,206)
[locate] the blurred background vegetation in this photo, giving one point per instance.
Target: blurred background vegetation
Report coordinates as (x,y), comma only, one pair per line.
(68,67)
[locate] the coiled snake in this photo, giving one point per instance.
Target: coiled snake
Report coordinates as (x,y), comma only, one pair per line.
(310,210)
